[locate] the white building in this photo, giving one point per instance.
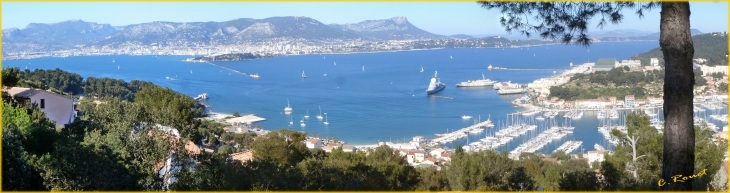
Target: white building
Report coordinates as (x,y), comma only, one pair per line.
(58,108)
(654,62)
(314,143)
(436,153)
(596,156)
(629,101)
(633,64)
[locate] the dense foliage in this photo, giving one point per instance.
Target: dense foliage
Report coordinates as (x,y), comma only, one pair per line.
(616,82)
(108,87)
(63,81)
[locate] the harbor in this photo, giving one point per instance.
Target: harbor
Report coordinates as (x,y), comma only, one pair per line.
(451,136)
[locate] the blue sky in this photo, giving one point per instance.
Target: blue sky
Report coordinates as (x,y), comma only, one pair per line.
(439,18)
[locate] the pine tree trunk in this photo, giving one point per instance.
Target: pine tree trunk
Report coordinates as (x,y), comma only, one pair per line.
(679,139)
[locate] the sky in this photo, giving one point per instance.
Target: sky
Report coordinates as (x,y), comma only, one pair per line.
(439,18)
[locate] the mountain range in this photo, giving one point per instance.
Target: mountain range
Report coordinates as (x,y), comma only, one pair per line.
(73,33)
(76,33)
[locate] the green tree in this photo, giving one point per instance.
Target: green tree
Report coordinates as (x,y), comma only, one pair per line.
(568,21)
(11,76)
(16,170)
(709,156)
(283,147)
(226,149)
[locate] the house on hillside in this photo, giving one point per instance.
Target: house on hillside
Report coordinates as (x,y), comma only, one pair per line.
(58,108)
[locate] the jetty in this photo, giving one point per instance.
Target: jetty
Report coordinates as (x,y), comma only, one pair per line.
(450,137)
(232,70)
(569,146)
(248,119)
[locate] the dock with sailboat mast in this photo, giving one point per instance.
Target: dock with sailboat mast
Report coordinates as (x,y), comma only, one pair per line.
(451,136)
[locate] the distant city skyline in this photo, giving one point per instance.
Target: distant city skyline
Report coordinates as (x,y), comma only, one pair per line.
(438,18)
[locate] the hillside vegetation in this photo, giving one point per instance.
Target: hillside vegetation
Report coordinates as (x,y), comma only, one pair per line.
(710,46)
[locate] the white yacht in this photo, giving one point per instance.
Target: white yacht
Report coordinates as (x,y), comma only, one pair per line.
(320,113)
(325,73)
(303,76)
(421,68)
(466,117)
(325,119)
(307,116)
(287,109)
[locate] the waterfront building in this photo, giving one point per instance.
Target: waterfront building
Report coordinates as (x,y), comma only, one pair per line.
(605,64)
(633,64)
(314,143)
(629,101)
(436,153)
(596,156)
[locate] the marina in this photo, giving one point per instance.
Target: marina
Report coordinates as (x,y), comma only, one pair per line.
(451,136)
(386,110)
(569,146)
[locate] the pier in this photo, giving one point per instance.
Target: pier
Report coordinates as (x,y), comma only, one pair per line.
(232,70)
(450,137)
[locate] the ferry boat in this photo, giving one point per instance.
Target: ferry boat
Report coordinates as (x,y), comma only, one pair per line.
(477,83)
(435,85)
(495,67)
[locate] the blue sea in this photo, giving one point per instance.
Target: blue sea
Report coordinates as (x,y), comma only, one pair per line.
(384,102)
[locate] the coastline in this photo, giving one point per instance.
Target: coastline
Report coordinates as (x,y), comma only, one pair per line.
(279,55)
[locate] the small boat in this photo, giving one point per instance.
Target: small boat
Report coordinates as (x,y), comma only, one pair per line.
(451,57)
(421,68)
(490,67)
(191,71)
(117,67)
(325,119)
(113,61)
(325,73)
(301,120)
(307,116)
(254,75)
(465,117)
(363,68)
(287,109)
(291,121)
(320,113)
(303,76)
(335,63)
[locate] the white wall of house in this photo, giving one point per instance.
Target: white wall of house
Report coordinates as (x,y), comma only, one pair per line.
(57,108)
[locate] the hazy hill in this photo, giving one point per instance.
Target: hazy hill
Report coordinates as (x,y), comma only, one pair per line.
(397,28)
